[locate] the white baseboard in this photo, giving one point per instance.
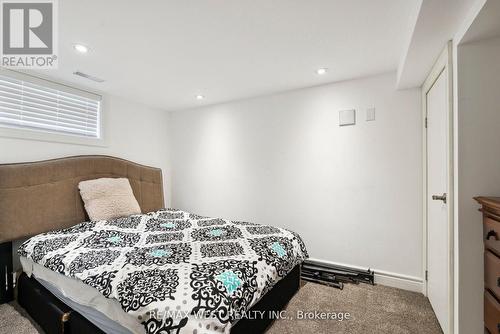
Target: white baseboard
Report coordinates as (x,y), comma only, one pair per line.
(386,278)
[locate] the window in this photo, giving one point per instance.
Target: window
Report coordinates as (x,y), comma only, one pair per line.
(29,103)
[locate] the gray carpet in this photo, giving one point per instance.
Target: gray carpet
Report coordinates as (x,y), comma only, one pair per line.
(373,309)
(13,319)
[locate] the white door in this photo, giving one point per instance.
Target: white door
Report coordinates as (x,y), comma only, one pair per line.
(438,230)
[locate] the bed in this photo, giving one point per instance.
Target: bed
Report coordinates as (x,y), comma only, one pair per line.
(163,271)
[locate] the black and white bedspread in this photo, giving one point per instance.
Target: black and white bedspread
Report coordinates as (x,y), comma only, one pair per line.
(172,270)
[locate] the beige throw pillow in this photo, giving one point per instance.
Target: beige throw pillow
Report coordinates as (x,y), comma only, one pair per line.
(108,198)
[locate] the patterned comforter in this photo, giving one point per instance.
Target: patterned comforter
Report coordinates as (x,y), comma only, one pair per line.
(172,270)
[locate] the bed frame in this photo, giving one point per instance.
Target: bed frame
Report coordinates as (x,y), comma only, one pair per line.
(42,196)
(54,316)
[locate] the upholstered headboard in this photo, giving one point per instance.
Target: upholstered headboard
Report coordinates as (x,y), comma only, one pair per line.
(37,197)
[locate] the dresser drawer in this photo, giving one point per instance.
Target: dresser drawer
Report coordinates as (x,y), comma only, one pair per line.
(492,273)
(491,229)
(491,313)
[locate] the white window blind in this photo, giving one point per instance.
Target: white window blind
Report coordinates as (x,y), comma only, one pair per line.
(37,104)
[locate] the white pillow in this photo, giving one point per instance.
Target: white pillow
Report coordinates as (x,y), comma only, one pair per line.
(108,198)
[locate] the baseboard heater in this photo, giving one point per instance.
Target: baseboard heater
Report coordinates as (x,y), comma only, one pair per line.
(334,275)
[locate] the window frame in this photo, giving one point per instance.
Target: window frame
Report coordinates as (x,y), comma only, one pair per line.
(53,136)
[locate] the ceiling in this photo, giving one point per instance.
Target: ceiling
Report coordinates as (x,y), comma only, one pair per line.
(437,23)
(485,25)
(163,53)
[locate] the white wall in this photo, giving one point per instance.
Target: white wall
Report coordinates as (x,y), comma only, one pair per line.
(478,168)
(134,132)
(354,193)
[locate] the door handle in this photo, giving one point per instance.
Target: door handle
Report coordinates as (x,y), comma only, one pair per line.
(439,198)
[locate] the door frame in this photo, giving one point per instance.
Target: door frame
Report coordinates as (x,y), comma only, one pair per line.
(444,62)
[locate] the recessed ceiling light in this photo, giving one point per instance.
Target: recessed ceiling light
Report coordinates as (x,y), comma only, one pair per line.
(200,97)
(81,48)
(321,71)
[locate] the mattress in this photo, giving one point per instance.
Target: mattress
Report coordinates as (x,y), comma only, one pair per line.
(165,271)
(103,312)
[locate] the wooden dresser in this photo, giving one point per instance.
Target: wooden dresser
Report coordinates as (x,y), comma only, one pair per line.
(491,229)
